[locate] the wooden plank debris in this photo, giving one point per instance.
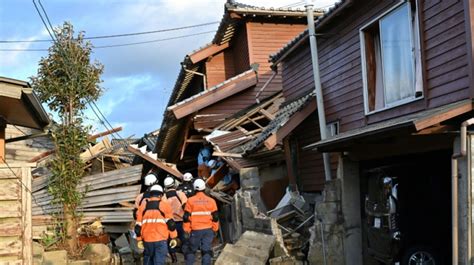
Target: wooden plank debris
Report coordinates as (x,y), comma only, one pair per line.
(90,138)
(153,158)
(93,151)
(106,193)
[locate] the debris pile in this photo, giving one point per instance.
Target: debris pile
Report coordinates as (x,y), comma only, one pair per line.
(294,218)
(251,248)
(110,186)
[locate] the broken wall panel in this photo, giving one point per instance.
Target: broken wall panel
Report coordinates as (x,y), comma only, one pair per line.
(107,189)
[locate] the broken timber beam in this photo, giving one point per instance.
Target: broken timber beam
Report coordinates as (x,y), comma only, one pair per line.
(168,167)
(95,136)
(90,138)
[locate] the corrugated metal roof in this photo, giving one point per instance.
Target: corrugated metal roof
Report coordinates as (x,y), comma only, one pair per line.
(228,140)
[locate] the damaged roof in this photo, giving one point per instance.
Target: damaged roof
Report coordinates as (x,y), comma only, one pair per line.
(234,14)
(282,117)
(332,13)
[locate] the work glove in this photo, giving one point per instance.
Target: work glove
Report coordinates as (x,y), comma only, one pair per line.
(173,243)
(140,245)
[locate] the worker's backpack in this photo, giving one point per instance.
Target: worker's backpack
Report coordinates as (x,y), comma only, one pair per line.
(173,193)
(153,205)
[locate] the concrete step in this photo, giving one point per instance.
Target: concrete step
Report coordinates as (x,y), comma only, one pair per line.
(251,248)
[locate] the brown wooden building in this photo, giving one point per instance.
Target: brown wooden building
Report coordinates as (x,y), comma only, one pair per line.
(225,80)
(397,83)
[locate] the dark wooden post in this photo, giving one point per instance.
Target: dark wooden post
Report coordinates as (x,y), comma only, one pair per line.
(289,165)
(3,126)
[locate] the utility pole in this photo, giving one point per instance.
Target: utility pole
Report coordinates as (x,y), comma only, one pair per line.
(317,85)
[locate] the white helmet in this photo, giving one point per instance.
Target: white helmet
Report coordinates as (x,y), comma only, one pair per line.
(187,176)
(169,182)
(156,188)
(199,185)
(150,179)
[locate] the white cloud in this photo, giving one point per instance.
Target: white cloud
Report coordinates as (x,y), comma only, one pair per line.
(139,78)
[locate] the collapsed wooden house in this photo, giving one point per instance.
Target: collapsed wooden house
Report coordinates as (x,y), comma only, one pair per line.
(229,98)
(239,96)
(110,187)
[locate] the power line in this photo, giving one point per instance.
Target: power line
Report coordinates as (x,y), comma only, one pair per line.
(303,3)
(66,60)
(96,112)
(118,45)
(293,4)
(123,34)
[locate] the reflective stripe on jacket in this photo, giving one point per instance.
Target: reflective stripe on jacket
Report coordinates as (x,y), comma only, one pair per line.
(153,222)
(200,208)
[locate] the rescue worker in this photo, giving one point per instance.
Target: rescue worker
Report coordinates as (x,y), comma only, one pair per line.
(154,226)
(149,181)
(187,185)
(201,223)
(177,199)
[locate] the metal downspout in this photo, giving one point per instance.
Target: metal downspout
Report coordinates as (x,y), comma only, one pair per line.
(454,189)
(317,85)
(265,85)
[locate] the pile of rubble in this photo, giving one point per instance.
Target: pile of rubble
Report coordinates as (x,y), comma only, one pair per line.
(280,236)
(110,187)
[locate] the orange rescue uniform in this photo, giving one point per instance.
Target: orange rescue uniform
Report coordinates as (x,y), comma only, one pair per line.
(154,221)
(176,203)
(201,213)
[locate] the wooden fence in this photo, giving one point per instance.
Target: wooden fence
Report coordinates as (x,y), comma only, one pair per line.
(15,214)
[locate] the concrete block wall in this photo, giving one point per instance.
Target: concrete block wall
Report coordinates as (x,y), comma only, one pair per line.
(327,234)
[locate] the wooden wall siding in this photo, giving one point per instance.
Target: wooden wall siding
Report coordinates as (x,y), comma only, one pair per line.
(444,56)
(263,39)
(266,39)
(445,52)
(15,214)
(219,68)
(23,151)
(310,169)
(240,52)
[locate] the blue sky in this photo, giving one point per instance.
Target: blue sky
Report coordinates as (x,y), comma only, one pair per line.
(137,79)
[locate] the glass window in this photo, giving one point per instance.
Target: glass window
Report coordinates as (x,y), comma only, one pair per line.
(392,73)
(397,55)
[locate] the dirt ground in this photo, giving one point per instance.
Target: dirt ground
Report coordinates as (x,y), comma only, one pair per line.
(128,259)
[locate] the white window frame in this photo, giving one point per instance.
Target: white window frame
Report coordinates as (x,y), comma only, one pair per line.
(332,129)
(417,54)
